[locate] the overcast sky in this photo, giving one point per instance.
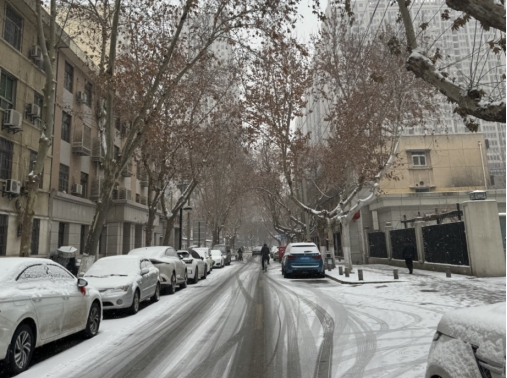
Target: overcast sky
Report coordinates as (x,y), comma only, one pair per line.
(309,24)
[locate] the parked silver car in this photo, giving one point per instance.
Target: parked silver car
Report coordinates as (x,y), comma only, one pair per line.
(124,281)
(173,271)
(205,254)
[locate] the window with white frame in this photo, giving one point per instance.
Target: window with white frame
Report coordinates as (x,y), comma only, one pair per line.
(418,159)
(13,26)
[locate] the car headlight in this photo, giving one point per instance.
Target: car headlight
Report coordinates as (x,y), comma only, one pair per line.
(119,289)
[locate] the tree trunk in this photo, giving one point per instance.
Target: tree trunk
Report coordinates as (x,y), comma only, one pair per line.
(32,184)
(330,237)
(152,213)
(168,230)
(321,229)
(347,252)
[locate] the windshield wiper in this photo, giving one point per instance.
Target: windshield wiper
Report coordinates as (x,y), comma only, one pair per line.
(94,276)
(119,275)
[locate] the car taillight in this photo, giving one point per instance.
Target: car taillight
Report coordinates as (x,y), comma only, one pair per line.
(290,257)
(317,257)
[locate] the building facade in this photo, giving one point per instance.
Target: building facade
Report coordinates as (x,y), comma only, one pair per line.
(72,175)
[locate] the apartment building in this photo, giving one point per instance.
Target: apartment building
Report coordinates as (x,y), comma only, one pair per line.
(72,175)
(466,57)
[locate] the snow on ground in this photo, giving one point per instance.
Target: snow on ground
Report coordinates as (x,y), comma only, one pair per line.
(113,331)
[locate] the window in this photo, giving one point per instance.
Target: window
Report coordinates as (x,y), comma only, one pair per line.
(418,159)
(88,92)
(492,180)
(35,237)
(12,28)
(84,184)
(63,179)
(6,150)
(4,219)
(62,227)
(33,272)
(66,124)
(68,77)
(7,91)
(58,273)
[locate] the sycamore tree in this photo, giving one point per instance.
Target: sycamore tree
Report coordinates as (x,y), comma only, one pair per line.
(367,98)
(163,40)
(472,94)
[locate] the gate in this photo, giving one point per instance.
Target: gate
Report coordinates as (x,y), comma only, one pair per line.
(445,244)
(399,238)
(377,243)
(337,240)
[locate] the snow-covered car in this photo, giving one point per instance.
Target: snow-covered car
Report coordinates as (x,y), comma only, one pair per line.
(470,340)
(218,258)
(173,271)
(205,254)
(196,268)
(124,281)
(256,250)
(40,302)
(274,253)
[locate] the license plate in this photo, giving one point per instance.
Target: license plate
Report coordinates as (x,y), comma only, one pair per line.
(305,258)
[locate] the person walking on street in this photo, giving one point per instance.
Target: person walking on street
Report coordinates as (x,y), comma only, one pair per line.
(240,254)
(409,253)
(265,256)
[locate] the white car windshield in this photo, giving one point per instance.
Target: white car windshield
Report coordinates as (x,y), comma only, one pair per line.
(184,255)
(156,252)
(216,253)
(113,267)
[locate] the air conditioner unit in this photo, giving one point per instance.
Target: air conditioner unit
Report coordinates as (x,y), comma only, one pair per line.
(33,110)
(12,187)
(82,98)
(13,119)
(125,194)
(36,53)
(77,189)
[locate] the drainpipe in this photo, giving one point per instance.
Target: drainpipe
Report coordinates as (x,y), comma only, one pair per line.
(483,169)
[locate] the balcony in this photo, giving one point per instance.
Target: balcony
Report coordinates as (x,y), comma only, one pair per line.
(82,141)
(97,152)
(127,170)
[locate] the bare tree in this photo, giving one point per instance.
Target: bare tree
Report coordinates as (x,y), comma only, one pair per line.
(472,98)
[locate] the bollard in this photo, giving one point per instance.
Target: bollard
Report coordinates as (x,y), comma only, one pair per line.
(346,272)
(395,274)
(360,274)
(340,270)
(448,272)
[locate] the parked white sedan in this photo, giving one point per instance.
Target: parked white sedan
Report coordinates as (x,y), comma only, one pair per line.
(41,302)
(470,340)
(195,265)
(205,254)
(218,258)
(173,271)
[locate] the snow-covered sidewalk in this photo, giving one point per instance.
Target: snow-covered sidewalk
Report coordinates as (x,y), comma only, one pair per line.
(378,273)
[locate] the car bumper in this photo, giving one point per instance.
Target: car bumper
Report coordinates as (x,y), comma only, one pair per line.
(304,268)
(117,300)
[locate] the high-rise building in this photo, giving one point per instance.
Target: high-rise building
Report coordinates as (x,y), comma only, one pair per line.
(466,56)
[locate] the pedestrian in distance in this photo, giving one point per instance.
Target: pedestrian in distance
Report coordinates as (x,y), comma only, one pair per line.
(240,254)
(265,257)
(409,253)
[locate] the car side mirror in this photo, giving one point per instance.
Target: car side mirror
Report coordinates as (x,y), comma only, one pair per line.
(81,282)
(202,258)
(145,271)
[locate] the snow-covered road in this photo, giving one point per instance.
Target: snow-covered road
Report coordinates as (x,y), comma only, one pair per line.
(241,322)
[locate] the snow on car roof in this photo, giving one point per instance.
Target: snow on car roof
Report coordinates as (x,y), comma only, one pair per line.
(148,251)
(11,266)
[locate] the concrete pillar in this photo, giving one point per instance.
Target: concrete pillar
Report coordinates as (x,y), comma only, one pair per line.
(366,244)
(484,238)
(389,246)
(419,243)
(114,238)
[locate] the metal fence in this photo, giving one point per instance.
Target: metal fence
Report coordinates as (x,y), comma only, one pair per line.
(337,240)
(399,238)
(446,244)
(377,243)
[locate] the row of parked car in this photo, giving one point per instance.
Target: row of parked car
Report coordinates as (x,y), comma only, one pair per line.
(41,301)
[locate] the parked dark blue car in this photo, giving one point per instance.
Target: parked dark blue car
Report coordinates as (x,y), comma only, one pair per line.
(302,258)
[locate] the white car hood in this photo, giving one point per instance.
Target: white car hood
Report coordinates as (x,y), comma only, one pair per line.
(482,326)
(109,282)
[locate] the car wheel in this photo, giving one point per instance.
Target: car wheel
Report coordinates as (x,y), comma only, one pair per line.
(205,274)
(156,296)
(21,349)
(93,322)
(134,308)
(196,275)
(172,288)
(185,282)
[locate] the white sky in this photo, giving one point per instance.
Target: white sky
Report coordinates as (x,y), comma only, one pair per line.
(309,24)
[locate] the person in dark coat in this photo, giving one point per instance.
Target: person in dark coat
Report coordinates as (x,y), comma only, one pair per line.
(265,255)
(409,253)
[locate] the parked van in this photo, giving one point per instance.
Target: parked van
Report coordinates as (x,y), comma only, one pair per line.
(226,251)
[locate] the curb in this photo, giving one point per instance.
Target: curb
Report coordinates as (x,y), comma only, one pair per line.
(359,282)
